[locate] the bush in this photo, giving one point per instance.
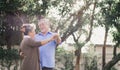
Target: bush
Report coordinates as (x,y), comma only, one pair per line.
(113,68)
(8,57)
(91,63)
(64,59)
(91,59)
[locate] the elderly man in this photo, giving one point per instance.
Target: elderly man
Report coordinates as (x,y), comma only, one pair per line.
(47,52)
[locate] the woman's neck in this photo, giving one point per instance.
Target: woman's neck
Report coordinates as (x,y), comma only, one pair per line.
(31,36)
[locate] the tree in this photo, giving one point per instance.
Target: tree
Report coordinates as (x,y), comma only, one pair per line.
(106,9)
(111,13)
(13,13)
(82,43)
(116,35)
(74,24)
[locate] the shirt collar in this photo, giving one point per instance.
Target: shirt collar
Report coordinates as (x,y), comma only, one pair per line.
(46,33)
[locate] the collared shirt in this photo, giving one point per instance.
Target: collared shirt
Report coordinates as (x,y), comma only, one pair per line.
(47,51)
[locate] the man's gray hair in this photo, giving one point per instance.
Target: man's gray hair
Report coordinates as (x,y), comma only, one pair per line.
(44,21)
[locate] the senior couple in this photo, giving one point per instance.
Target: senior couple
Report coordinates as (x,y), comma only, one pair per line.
(38,51)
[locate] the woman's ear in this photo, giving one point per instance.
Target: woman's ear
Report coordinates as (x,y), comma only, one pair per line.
(22,29)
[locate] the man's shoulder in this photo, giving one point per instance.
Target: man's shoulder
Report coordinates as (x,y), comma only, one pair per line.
(40,34)
(52,33)
(36,35)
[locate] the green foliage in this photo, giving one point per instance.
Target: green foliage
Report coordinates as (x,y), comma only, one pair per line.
(116,37)
(8,54)
(65,58)
(8,57)
(109,12)
(90,58)
(11,21)
(90,61)
(30,7)
(116,34)
(79,45)
(10,5)
(106,13)
(113,68)
(110,18)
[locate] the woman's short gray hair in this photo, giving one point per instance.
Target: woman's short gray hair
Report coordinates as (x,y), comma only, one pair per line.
(44,21)
(28,28)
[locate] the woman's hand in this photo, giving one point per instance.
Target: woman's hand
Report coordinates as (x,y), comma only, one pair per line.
(22,55)
(57,38)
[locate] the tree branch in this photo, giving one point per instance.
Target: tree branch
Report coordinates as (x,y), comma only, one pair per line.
(115,49)
(75,39)
(91,23)
(71,29)
(111,63)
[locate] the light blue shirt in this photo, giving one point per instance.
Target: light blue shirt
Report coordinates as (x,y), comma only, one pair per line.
(47,51)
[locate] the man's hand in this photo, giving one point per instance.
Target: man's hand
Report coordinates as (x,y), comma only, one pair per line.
(57,38)
(55,35)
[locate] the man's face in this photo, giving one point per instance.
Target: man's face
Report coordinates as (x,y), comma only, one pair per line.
(44,27)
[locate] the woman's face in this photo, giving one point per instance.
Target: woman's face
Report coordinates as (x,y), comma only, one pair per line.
(32,33)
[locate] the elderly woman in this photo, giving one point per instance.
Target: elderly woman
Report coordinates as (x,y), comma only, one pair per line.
(29,49)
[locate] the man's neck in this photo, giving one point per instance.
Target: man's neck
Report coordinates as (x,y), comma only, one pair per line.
(44,33)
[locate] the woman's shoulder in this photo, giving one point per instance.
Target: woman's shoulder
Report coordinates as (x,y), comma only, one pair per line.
(27,38)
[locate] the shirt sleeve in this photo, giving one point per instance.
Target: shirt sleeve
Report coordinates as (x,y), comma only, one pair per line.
(32,43)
